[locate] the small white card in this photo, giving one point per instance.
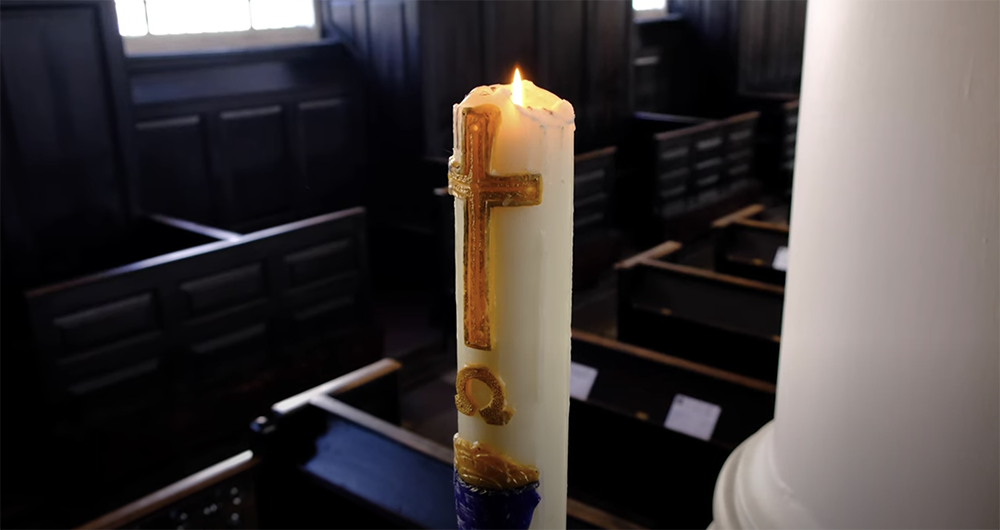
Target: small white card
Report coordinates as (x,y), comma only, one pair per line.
(692,417)
(781,259)
(581,380)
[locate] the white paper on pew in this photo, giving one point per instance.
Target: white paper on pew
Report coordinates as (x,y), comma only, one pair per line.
(692,417)
(581,380)
(781,259)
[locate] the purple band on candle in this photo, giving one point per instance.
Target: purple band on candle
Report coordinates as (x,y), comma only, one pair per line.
(483,509)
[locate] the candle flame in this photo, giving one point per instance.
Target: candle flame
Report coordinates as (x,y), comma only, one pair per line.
(517,93)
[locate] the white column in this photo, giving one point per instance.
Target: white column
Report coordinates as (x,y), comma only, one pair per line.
(888,400)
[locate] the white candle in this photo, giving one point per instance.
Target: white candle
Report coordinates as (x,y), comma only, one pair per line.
(514,281)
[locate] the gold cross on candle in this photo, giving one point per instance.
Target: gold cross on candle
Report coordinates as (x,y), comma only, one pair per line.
(483,191)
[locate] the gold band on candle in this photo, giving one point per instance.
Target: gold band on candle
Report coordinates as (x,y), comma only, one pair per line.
(496,412)
(483,191)
(483,467)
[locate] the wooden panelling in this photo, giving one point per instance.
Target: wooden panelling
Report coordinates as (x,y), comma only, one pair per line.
(265,136)
(387,24)
(65,110)
(741,45)
(608,100)
(593,189)
(684,171)
(561,65)
(578,49)
(451,62)
(771,38)
(714,51)
(390,58)
(346,20)
(113,320)
(328,133)
(789,136)
(509,40)
(319,262)
(222,289)
(173,161)
(258,163)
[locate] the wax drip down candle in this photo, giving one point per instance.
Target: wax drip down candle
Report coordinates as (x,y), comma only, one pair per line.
(511,174)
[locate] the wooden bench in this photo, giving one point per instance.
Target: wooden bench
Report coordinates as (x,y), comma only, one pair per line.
(681,172)
(219,496)
(699,314)
(624,459)
(224,495)
(328,443)
(748,247)
(195,341)
(335,457)
(243,301)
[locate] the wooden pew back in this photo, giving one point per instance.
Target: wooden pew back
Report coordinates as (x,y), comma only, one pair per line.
(241,301)
(717,319)
(623,458)
(195,343)
(789,138)
(189,501)
(683,171)
(748,248)
(382,476)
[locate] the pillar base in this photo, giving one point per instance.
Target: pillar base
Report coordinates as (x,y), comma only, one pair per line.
(750,494)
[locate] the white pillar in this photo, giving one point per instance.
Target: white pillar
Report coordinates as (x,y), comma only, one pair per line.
(888,400)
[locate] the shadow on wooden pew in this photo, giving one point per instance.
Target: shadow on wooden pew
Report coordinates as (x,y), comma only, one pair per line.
(623,459)
(715,319)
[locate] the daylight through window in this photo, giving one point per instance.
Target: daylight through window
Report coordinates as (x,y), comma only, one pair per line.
(138,18)
(649,5)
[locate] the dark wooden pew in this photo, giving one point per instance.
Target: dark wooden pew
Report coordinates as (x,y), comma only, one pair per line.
(219,496)
(790,128)
(699,314)
(196,341)
(751,248)
(682,172)
(632,395)
(336,451)
(624,458)
(775,135)
(224,495)
(597,245)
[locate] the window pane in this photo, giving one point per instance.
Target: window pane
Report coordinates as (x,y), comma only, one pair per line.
(172,17)
(131,17)
(642,5)
(272,14)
